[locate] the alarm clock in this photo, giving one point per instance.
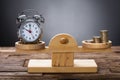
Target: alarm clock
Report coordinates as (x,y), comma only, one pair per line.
(30,26)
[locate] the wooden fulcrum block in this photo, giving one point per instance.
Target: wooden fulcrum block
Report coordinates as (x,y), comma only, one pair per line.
(62,59)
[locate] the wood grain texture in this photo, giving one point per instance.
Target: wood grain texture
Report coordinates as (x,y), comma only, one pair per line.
(62,59)
(56,44)
(12,65)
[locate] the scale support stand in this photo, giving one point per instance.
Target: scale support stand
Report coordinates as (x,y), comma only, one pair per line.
(62,47)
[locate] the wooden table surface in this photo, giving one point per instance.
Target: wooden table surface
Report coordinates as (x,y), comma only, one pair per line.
(13,66)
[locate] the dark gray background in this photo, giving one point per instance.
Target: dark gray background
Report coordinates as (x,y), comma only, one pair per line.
(81,18)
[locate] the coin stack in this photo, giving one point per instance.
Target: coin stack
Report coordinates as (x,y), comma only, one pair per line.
(104,36)
(96,39)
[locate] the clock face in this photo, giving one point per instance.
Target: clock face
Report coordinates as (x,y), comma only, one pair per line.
(30,32)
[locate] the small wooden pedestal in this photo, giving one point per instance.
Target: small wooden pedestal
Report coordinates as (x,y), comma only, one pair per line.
(62,47)
(44,66)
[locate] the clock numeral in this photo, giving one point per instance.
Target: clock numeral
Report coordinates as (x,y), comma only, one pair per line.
(23,34)
(36,31)
(29,25)
(35,34)
(35,27)
(29,37)
(22,31)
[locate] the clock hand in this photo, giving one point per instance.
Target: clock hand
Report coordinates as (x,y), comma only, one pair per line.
(29,27)
(28,30)
(32,35)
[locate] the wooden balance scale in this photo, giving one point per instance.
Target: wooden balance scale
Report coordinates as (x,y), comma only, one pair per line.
(63,47)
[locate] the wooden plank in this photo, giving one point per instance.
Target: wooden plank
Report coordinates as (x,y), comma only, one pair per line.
(12,68)
(46,50)
(19,74)
(108,65)
(44,66)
